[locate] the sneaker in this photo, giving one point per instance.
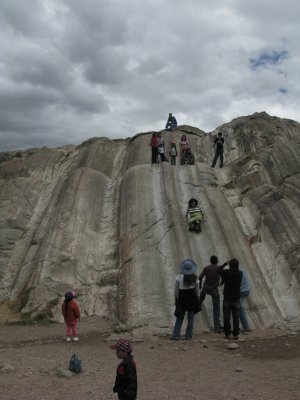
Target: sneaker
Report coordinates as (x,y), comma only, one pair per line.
(227,337)
(187,338)
(235,338)
(218,331)
(174,338)
(75,339)
(245,331)
(68,339)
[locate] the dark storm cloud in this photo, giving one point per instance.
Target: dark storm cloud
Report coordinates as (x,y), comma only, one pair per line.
(70,69)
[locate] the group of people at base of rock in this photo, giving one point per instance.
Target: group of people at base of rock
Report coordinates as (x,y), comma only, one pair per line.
(190,294)
(186,156)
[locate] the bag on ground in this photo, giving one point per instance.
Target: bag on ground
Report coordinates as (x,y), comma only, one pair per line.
(75,364)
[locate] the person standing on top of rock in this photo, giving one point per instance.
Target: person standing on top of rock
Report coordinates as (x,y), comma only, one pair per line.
(232,279)
(244,293)
(189,158)
(186,298)
(173,153)
(171,122)
(183,145)
(154,148)
(161,147)
(219,150)
(210,287)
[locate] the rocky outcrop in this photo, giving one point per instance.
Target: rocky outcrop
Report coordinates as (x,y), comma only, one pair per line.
(100,219)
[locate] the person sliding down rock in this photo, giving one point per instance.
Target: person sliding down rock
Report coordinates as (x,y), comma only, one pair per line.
(194,216)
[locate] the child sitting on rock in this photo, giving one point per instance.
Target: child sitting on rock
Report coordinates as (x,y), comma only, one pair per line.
(194,216)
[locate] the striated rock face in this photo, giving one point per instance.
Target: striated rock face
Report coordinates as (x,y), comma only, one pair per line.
(101,220)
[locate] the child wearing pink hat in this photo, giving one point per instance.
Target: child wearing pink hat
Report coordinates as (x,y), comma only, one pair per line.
(126,379)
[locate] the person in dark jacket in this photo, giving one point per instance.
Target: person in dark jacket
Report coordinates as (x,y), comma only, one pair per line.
(171,123)
(126,379)
(186,298)
(219,150)
(154,148)
(232,279)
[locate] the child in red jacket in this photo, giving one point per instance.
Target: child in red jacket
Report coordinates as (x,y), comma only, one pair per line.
(71,313)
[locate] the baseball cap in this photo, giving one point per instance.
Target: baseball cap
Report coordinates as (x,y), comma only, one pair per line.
(122,344)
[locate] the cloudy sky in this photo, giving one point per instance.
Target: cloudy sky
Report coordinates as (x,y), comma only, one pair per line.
(73,69)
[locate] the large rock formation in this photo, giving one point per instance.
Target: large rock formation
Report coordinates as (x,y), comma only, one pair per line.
(100,219)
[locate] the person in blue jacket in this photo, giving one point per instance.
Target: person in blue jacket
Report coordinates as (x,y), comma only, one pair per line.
(244,293)
(171,123)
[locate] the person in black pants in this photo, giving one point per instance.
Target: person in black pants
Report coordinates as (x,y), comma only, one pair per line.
(232,279)
(219,150)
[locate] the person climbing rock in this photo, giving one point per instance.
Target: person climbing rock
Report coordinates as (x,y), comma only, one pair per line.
(210,287)
(186,298)
(171,122)
(194,216)
(219,150)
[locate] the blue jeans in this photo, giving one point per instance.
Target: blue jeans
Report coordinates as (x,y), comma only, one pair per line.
(215,296)
(189,328)
(242,314)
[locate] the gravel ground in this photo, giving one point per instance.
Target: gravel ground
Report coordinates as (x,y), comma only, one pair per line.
(34,359)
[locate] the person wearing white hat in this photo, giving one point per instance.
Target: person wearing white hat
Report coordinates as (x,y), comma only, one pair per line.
(187,294)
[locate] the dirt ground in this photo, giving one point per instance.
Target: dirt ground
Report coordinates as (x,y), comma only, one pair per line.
(265,366)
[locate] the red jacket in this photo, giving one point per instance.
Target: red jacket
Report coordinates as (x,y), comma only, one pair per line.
(70,310)
(154,141)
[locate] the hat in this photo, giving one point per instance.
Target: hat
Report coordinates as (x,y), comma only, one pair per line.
(122,344)
(193,200)
(69,295)
(188,267)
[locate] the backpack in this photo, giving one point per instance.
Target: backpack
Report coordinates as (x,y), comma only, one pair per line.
(75,364)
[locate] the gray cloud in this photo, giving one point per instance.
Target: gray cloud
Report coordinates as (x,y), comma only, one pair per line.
(70,70)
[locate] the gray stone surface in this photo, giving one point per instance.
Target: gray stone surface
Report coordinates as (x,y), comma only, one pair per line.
(100,219)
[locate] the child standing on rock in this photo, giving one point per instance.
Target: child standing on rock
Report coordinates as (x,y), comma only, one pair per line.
(173,153)
(71,314)
(126,379)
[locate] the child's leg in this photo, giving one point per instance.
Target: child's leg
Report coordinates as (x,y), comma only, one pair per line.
(68,330)
(74,329)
